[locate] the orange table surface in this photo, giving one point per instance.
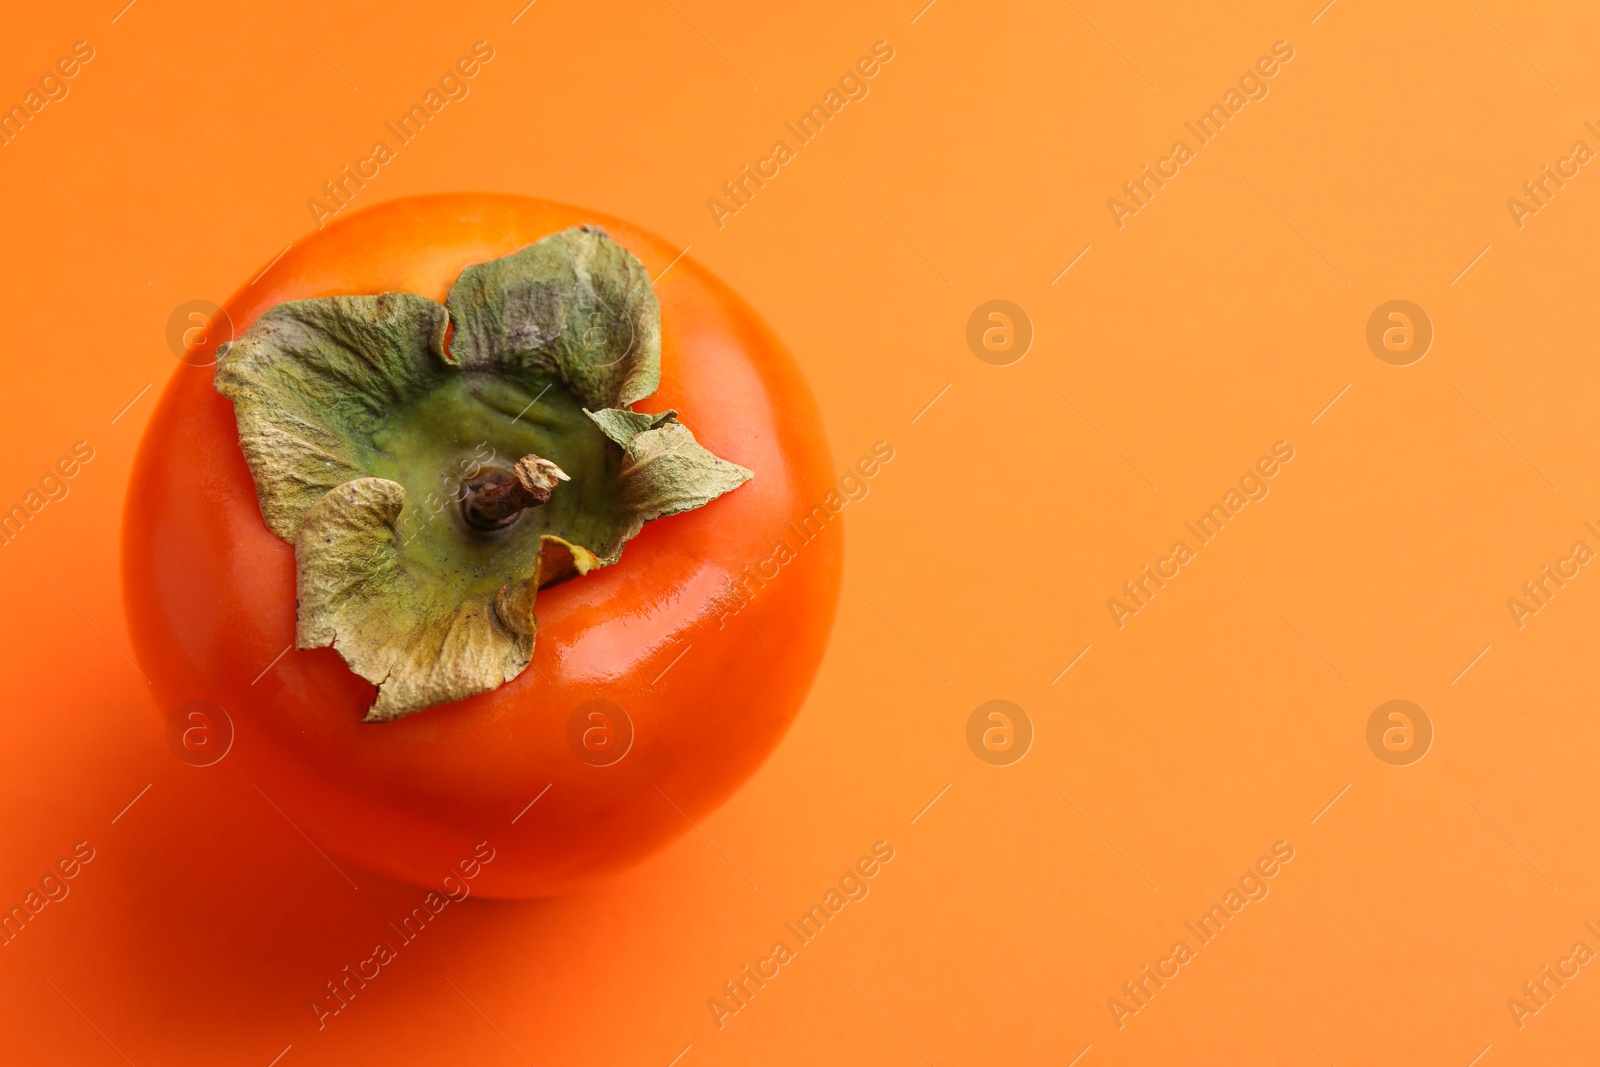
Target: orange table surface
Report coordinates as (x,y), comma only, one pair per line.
(1220,845)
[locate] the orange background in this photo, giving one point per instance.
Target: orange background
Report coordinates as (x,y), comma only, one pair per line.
(1222,718)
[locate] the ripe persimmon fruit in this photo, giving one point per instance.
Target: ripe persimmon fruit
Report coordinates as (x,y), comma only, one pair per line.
(457,529)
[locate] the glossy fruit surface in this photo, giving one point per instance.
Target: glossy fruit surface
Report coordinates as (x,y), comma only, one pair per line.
(657,685)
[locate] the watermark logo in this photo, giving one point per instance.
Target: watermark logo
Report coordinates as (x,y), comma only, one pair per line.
(197,331)
(340,991)
(851,487)
(454,85)
(1538,991)
(1538,591)
(1252,486)
(1251,888)
(1539,191)
(739,191)
(199,733)
(999,333)
(999,733)
(599,733)
(53,87)
(1399,733)
(1399,332)
(53,487)
(852,886)
(52,889)
(1207,127)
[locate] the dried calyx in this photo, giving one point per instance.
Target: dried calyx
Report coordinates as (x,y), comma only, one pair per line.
(431,490)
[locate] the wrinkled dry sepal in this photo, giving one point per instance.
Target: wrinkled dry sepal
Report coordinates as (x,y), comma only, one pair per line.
(575,305)
(558,560)
(419,649)
(312,379)
(448,656)
(664,469)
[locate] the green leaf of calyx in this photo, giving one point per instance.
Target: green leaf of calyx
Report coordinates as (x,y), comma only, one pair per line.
(360,427)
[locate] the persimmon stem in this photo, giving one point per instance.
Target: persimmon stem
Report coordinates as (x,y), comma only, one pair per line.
(496,498)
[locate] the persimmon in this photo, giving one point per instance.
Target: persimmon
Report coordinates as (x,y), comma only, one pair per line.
(453,513)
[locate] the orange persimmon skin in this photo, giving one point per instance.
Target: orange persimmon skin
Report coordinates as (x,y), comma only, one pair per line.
(211,595)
